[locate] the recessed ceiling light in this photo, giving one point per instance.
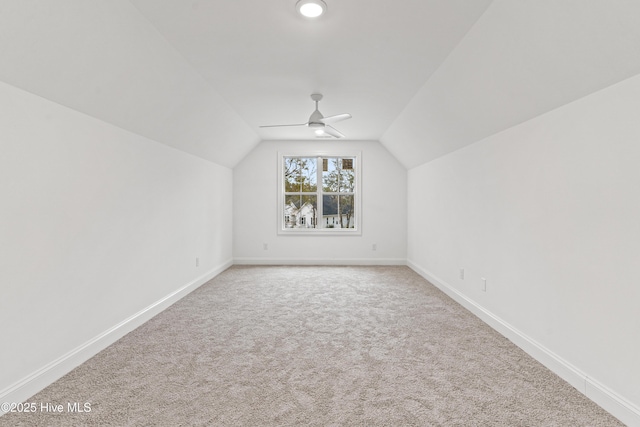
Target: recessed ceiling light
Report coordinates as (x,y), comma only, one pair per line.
(311,8)
(319,131)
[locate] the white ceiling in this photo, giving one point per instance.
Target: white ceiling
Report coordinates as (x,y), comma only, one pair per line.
(368,58)
(425,77)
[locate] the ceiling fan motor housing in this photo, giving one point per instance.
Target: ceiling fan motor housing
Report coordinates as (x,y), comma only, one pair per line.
(315,119)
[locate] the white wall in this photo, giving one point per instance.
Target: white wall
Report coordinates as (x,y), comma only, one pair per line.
(549,213)
(96,225)
(255,209)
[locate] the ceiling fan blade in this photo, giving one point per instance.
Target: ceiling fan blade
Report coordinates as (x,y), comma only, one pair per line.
(336,118)
(279,126)
(333,132)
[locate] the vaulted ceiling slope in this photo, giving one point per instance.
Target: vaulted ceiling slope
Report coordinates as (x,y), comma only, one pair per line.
(104,59)
(367,57)
(521,59)
(425,77)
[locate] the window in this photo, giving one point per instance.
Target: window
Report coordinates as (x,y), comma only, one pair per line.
(319,194)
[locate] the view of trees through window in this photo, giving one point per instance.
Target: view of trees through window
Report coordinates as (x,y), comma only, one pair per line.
(310,180)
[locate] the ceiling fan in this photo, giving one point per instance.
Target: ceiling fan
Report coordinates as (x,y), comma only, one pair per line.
(320,124)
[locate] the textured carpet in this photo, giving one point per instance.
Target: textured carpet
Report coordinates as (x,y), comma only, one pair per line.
(322,346)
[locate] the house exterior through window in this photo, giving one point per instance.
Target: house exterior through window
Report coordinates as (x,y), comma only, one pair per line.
(319,194)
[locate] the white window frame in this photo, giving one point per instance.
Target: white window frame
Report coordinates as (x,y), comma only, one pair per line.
(357,217)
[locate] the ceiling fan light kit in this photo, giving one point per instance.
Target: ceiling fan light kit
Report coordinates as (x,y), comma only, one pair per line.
(311,8)
(319,123)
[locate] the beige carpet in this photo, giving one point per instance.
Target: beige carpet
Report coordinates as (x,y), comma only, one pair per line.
(321,346)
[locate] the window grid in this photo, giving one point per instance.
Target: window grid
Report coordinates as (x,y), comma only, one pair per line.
(331,173)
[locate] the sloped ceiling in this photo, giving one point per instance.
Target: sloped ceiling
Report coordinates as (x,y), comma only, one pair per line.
(425,77)
(104,59)
(521,59)
(368,57)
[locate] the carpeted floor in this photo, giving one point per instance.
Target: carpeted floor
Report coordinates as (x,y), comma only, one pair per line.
(320,346)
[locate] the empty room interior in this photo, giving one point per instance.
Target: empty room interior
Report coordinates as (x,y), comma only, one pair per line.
(479,153)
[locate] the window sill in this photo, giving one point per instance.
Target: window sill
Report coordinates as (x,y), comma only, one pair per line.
(319,232)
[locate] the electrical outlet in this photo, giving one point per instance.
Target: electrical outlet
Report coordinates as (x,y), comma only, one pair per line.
(265,246)
(483,284)
(462,273)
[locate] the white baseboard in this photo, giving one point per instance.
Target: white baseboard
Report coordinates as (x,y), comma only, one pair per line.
(320,261)
(36,381)
(612,402)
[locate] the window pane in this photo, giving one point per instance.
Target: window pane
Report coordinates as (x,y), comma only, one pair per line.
(338,175)
(331,175)
(300,211)
(347,176)
(300,174)
(308,175)
(338,211)
(290,174)
(347,208)
(329,205)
